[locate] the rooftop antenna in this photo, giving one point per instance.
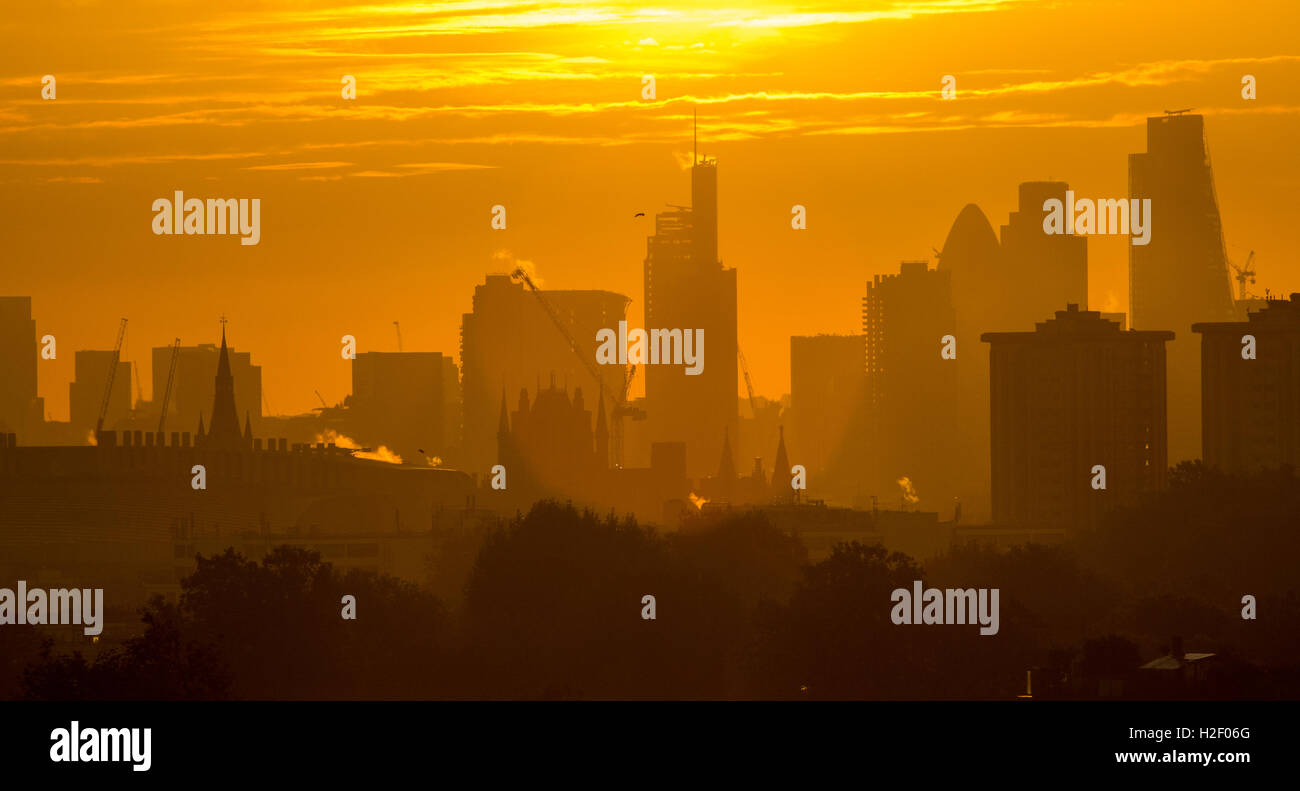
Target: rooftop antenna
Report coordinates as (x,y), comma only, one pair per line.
(695,136)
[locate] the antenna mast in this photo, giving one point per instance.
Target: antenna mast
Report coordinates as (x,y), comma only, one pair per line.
(695,136)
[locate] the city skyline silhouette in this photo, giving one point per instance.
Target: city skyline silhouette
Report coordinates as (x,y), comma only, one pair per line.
(650,357)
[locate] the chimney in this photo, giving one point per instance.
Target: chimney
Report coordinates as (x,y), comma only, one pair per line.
(1176,647)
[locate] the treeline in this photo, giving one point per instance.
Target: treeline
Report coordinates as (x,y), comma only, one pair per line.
(551,608)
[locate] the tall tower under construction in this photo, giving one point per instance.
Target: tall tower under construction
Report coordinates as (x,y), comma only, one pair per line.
(687,287)
(1181,275)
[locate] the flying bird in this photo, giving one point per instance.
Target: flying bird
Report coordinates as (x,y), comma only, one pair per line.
(639,214)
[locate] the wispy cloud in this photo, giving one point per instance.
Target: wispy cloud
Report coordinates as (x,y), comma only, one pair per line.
(300,166)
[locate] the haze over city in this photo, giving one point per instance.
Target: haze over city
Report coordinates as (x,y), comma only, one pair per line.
(932,349)
(377,209)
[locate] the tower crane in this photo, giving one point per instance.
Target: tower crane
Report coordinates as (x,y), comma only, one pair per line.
(112,374)
(171,377)
(1244,273)
(749,385)
(621,408)
(139,391)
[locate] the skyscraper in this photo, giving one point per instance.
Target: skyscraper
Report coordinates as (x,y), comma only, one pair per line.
(399,400)
(687,287)
(1181,275)
(1251,390)
(1044,272)
(18,402)
(1075,394)
(911,386)
(86,391)
(828,412)
(1002,287)
(972,257)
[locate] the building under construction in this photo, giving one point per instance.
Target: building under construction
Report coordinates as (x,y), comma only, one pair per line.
(1181,275)
(687,287)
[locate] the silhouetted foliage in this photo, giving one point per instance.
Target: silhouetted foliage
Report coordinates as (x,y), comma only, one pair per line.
(552,609)
(267,631)
(550,603)
(19,647)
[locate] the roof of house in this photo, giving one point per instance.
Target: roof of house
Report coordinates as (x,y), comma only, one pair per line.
(1169,662)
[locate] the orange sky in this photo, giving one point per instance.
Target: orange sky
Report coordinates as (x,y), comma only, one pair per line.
(377,209)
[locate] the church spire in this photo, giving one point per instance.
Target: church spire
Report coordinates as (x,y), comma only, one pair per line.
(503,430)
(602,431)
(726,467)
(503,423)
(780,483)
(224,432)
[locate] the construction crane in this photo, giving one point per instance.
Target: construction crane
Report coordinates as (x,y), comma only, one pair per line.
(621,408)
(112,374)
(139,391)
(171,377)
(1244,274)
(322,400)
(1178,112)
(399,335)
(749,385)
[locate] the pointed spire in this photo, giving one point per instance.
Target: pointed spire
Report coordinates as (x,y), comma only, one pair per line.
(503,430)
(602,429)
(782,467)
(223,429)
(200,434)
(248,427)
(223,364)
(726,467)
